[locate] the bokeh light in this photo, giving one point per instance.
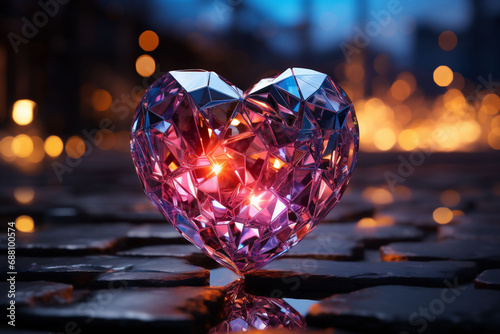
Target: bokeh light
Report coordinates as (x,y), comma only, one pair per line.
(442,215)
(377,195)
(443,76)
(400,90)
(450,198)
(6,147)
(384,139)
(22,112)
(447,40)
(22,146)
(145,65)
(25,224)
(75,147)
(38,150)
(101,100)
(53,146)
(408,140)
(24,195)
(148,40)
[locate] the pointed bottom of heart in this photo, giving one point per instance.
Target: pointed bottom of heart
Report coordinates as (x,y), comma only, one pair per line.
(250,255)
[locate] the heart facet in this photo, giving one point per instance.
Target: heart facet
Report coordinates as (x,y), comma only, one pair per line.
(244,176)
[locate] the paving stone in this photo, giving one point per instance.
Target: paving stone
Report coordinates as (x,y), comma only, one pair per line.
(169,310)
(326,248)
(31,293)
(371,237)
(108,206)
(475,231)
(421,220)
(185,251)
(488,279)
(346,211)
(154,234)
(310,278)
(403,309)
(485,253)
(78,239)
(106,270)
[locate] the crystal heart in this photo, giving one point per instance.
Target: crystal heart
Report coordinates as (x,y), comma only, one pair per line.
(244,176)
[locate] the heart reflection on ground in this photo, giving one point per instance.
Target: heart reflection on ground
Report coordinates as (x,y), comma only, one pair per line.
(244,312)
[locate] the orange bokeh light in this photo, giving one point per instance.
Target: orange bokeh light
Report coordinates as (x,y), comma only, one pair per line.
(148,40)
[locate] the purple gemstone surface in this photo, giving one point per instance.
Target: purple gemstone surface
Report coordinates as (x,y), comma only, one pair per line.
(244,176)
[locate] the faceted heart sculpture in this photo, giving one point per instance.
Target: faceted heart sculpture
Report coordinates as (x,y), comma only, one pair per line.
(244,176)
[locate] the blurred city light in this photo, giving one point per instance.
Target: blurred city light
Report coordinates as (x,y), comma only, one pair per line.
(24,195)
(443,76)
(22,112)
(53,146)
(148,40)
(22,146)
(25,224)
(75,147)
(442,215)
(145,65)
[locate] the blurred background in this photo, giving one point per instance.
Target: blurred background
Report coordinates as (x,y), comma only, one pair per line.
(423,75)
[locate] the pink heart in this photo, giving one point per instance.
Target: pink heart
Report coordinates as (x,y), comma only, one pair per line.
(244,176)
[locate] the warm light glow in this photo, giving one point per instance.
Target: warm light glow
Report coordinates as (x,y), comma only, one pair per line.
(378,195)
(101,100)
(145,65)
(354,72)
(254,201)
(277,164)
(493,101)
(450,198)
(384,139)
(148,40)
(408,140)
(216,169)
(38,151)
(172,166)
(53,146)
(470,131)
(457,213)
(25,224)
(366,222)
(442,215)
(443,76)
(494,140)
(75,147)
(382,220)
(22,146)
(22,112)
(382,196)
(24,195)
(400,90)
(447,40)
(235,122)
(6,147)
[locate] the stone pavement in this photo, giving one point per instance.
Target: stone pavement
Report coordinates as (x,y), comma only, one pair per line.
(102,259)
